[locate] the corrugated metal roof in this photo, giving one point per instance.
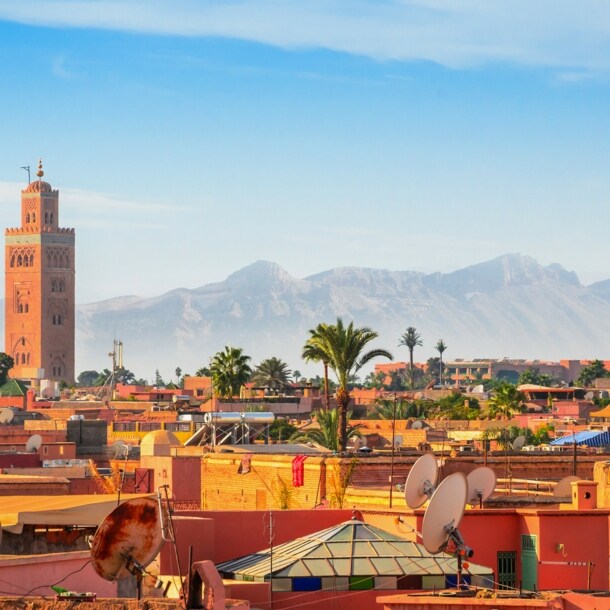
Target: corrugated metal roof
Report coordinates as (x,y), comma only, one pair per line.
(591,438)
(352,548)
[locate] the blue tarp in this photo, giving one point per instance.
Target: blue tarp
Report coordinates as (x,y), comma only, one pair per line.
(591,438)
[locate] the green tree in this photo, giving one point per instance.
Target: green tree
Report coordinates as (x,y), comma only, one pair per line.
(6,364)
(458,406)
(440,347)
(272,373)
(533,376)
(328,433)
(411,339)
(121,375)
(158,382)
(204,371)
(594,370)
(178,372)
(296,375)
(374,380)
(230,371)
(343,348)
(397,381)
(281,429)
(87,379)
(506,401)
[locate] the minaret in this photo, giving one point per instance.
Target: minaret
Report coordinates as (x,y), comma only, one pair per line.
(39,288)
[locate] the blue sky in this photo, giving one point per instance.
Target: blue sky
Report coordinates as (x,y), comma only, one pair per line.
(189,139)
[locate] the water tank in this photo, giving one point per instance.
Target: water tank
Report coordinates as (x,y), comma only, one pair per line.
(218,419)
(266,417)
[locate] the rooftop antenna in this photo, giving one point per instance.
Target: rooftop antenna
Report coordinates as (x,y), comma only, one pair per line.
(27,169)
(442,518)
(127,540)
(421,480)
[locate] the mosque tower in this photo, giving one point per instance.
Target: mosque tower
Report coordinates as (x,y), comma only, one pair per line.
(39,288)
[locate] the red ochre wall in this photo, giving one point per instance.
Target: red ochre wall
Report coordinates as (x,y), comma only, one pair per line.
(224,535)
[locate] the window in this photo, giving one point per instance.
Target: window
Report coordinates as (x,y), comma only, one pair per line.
(507,569)
(27,217)
(46,217)
(51,218)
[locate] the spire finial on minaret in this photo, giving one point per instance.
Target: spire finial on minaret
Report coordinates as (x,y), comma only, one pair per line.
(40,173)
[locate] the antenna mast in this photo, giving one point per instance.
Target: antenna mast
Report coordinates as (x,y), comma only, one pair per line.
(27,169)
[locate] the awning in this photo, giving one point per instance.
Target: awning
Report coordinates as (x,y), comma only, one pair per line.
(605,412)
(590,438)
(52,511)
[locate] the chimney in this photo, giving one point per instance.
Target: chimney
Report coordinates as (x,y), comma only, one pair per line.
(584,495)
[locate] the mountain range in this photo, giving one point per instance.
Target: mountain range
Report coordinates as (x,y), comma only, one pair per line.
(509,306)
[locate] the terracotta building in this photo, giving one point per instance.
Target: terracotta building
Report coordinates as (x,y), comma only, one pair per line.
(39,288)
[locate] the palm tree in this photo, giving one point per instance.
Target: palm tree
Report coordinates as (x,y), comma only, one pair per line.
(272,373)
(230,370)
(411,339)
(341,348)
(327,434)
(506,401)
(440,347)
(312,352)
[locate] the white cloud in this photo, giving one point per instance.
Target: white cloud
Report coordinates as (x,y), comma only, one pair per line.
(454,33)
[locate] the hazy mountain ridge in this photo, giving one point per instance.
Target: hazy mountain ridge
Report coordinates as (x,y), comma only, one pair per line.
(509,306)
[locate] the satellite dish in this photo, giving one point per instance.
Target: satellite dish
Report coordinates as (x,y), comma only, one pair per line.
(417,425)
(481,484)
(398,440)
(119,447)
(445,513)
(563,489)
(6,416)
(518,443)
(421,480)
(34,443)
(128,539)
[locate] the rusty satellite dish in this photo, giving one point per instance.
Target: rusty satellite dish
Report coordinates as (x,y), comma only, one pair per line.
(128,539)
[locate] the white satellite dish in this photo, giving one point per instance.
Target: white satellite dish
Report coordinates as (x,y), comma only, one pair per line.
(398,440)
(118,447)
(6,416)
(417,425)
(518,443)
(481,484)
(563,489)
(444,515)
(421,480)
(34,443)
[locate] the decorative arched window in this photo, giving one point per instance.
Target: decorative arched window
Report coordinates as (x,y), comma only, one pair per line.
(22,358)
(46,217)
(13,260)
(26,261)
(31,260)
(62,286)
(20,308)
(28,358)
(33,216)
(27,308)
(17,358)
(27,217)
(20,261)
(51,216)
